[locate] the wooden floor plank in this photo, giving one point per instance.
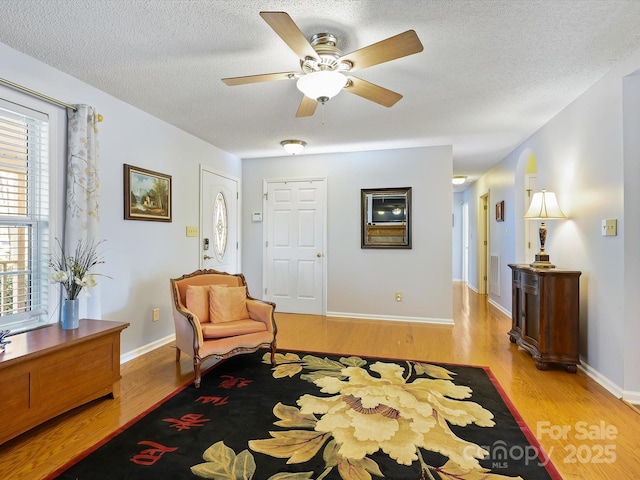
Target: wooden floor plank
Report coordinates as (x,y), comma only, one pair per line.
(548,401)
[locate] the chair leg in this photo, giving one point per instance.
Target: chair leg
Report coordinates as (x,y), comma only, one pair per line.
(273,353)
(177,354)
(196,370)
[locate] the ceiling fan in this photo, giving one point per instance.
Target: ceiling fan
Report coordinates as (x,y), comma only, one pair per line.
(325,70)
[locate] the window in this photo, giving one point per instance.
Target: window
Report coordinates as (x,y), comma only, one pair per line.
(24,216)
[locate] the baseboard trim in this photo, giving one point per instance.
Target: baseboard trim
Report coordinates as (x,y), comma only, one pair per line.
(601,379)
(500,307)
(366,316)
(135,353)
(628,396)
(633,398)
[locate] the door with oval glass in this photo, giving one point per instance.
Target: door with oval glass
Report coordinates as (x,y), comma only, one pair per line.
(218,222)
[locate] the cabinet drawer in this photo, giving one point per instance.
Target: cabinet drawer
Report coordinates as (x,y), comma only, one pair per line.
(528,279)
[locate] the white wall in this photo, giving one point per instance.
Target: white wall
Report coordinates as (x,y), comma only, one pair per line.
(140,256)
(363,281)
(631,121)
(580,156)
(503,236)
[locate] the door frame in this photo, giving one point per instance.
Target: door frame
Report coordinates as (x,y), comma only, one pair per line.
(483,244)
(212,171)
(531,240)
(265,225)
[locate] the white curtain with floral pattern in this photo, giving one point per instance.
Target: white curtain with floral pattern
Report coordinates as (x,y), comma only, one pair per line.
(82,220)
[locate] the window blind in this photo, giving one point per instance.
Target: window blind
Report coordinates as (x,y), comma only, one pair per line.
(24,212)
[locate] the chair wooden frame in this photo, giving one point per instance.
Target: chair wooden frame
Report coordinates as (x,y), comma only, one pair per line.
(189,335)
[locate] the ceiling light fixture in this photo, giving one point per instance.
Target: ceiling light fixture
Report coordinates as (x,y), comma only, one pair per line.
(293,147)
(459,179)
(321,85)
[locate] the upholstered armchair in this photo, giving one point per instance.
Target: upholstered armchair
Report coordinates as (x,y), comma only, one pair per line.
(215,316)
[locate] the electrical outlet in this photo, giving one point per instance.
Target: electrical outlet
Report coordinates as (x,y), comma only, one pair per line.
(398,296)
(156,314)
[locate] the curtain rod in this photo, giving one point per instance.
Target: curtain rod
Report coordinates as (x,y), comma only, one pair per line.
(42,96)
(36,94)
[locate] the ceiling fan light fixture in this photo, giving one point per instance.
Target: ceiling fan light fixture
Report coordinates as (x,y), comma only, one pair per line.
(293,147)
(322,85)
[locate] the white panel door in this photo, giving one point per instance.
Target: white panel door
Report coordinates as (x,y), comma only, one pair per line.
(294,247)
(218,222)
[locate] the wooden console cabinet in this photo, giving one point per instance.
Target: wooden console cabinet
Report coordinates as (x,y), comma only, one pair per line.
(49,371)
(546,314)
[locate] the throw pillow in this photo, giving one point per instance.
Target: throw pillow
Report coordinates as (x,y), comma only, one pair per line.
(198,301)
(227,304)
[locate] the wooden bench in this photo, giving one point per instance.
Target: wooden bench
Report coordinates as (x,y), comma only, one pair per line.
(49,371)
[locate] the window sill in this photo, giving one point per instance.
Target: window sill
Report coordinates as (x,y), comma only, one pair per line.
(27,327)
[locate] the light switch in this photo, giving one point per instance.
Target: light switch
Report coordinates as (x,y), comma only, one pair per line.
(192,231)
(610,227)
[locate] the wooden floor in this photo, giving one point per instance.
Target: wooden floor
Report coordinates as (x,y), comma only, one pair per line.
(588,433)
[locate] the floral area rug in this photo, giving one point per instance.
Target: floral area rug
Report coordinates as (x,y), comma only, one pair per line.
(317,416)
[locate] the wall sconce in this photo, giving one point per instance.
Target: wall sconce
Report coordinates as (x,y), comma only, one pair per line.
(544,206)
(293,147)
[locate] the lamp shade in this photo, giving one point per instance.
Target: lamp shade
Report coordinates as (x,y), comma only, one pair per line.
(321,85)
(293,147)
(544,205)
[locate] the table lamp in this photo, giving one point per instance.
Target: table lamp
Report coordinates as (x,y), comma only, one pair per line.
(544,206)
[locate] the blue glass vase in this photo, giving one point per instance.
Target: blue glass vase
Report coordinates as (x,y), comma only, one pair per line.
(70,314)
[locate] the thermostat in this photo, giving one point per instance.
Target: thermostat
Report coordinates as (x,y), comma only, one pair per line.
(257,216)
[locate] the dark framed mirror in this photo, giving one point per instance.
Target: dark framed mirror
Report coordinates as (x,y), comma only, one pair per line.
(386,217)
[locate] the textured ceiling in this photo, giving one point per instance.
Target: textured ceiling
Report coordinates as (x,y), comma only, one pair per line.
(491,73)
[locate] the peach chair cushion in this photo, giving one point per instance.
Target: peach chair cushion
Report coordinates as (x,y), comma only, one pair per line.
(227,304)
(232,329)
(198,301)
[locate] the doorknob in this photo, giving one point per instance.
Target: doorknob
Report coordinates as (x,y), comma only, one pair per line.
(318,255)
(207,257)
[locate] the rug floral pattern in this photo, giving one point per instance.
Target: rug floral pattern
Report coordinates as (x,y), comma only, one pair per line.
(323,417)
(399,409)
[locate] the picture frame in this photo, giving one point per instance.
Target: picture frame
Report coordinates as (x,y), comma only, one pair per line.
(147,195)
(500,211)
(385,217)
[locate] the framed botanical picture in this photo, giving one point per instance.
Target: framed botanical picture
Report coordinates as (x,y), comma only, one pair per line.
(147,195)
(500,211)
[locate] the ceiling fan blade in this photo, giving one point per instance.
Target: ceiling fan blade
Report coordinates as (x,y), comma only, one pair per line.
(266,77)
(401,45)
(307,107)
(372,92)
(285,27)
